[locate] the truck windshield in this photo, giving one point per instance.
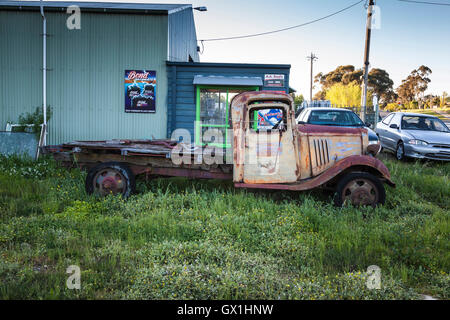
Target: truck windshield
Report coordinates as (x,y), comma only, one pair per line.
(335,118)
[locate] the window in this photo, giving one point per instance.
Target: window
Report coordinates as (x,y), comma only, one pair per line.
(334,118)
(212,113)
(303,115)
(388,119)
(267,119)
(423,123)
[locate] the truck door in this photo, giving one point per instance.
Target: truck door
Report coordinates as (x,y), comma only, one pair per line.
(270,155)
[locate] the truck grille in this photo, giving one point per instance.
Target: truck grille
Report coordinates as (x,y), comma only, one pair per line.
(321,152)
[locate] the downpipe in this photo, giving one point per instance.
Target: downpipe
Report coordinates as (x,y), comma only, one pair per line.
(43,139)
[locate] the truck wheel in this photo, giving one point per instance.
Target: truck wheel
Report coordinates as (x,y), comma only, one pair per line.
(111,178)
(359,189)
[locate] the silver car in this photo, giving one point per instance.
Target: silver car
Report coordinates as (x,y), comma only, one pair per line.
(414,135)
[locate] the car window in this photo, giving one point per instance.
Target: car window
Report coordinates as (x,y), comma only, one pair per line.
(388,119)
(423,123)
(304,115)
(333,118)
(301,116)
(396,119)
(440,126)
(357,119)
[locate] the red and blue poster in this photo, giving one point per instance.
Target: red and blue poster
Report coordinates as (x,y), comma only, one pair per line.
(140,88)
(267,118)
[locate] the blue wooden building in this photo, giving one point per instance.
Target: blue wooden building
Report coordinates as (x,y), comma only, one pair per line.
(200,93)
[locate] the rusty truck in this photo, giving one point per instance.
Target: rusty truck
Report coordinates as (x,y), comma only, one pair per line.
(281,155)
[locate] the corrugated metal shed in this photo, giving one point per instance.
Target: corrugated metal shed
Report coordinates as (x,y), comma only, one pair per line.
(182,37)
(85,86)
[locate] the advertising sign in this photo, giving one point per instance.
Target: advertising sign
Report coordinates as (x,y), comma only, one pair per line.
(140,88)
(274,80)
(267,118)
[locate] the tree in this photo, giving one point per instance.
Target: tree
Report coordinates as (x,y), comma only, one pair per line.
(381,85)
(298,99)
(345,95)
(414,85)
(444,99)
(320,95)
(333,77)
(379,82)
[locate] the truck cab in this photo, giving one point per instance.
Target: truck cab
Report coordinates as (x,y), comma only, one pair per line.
(289,156)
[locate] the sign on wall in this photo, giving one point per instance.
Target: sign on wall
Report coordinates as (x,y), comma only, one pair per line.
(274,80)
(140,88)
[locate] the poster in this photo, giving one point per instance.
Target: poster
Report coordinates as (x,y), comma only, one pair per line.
(274,80)
(140,88)
(267,118)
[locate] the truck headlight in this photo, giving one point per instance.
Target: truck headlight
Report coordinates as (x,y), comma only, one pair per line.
(373,142)
(418,142)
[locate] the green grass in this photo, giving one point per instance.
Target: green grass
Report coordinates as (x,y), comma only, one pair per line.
(182,239)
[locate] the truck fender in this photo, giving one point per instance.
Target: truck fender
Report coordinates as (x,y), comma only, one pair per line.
(357,163)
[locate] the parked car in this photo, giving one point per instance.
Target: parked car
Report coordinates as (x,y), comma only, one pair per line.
(415,135)
(337,117)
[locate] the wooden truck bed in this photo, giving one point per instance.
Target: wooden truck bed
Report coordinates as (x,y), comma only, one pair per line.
(142,156)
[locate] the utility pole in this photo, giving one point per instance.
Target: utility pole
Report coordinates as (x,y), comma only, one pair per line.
(311,58)
(366,60)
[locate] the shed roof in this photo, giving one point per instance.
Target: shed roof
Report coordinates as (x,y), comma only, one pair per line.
(227,81)
(97,6)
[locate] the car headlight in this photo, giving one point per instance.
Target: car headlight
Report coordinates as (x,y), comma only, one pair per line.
(418,142)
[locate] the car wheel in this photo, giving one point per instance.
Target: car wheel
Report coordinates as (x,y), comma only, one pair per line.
(359,189)
(381,145)
(111,178)
(400,151)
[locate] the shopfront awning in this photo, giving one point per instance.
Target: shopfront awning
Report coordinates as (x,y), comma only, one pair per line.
(227,81)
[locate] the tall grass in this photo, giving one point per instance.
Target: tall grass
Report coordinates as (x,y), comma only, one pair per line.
(184,239)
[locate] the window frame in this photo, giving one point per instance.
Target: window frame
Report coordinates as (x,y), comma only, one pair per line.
(255,117)
(198,125)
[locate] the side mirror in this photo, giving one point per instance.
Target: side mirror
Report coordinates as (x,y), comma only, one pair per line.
(393,126)
(368,124)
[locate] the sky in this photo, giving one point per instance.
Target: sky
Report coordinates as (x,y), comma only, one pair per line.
(407,36)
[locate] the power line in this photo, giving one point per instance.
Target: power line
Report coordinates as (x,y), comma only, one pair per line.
(284,29)
(426,2)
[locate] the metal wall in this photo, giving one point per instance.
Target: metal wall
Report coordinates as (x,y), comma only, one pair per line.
(182,36)
(86,76)
(182,96)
